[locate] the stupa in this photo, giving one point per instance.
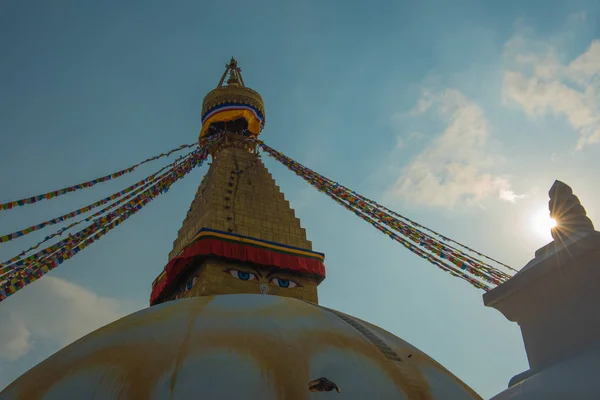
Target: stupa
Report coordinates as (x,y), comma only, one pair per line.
(235,313)
(555,300)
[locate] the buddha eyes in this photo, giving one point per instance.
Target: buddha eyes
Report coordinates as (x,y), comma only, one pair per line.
(284,283)
(243,275)
(250,276)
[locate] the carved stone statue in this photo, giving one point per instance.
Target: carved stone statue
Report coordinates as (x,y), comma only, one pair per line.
(571,219)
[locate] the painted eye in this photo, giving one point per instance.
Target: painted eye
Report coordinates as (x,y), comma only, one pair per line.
(284,283)
(242,275)
(190,284)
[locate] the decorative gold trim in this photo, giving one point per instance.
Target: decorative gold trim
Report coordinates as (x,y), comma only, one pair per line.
(233,94)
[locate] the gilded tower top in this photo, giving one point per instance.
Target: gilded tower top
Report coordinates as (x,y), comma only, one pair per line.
(231,102)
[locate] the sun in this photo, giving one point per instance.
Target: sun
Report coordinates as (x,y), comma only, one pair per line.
(541,223)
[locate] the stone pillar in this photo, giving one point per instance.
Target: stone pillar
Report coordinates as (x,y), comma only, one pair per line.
(555,299)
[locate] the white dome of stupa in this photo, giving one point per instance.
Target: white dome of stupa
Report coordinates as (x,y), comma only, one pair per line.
(239,346)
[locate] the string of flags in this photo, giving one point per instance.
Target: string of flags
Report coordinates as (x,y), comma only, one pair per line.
(16,276)
(412,236)
(490,274)
(429,257)
(417,235)
(137,188)
(60,192)
(48,259)
(442,237)
(44,253)
(83,210)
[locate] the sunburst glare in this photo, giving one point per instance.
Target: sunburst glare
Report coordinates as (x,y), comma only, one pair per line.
(541,223)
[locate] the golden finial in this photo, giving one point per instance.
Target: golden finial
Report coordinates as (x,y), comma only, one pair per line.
(235,74)
(232,64)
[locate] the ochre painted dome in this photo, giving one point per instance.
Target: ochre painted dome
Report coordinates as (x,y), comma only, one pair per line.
(239,346)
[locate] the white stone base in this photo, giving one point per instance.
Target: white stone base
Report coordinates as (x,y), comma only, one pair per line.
(575,378)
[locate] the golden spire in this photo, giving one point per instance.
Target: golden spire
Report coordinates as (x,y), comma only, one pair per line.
(233,91)
(235,74)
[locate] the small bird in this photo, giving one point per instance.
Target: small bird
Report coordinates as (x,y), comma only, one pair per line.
(323,385)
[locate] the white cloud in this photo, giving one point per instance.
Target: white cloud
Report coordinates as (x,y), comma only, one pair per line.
(15,339)
(509,195)
(456,165)
(51,311)
(541,84)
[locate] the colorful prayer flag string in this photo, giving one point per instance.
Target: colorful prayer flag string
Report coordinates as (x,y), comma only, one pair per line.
(415,234)
(446,257)
(60,192)
(45,253)
(138,187)
(83,210)
(442,237)
(433,248)
(24,275)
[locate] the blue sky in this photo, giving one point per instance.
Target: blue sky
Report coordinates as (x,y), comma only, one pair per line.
(459,115)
